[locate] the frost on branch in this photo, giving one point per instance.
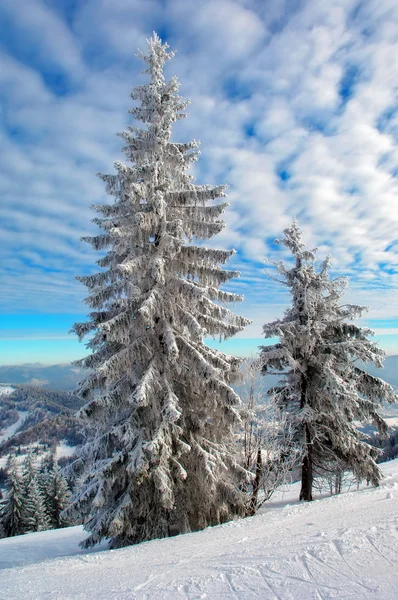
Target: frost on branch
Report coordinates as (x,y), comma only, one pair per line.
(323,389)
(160,399)
(266,438)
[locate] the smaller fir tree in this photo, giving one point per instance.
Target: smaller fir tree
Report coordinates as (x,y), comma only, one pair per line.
(28,470)
(36,518)
(48,462)
(323,388)
(12,514)
(57,498)
(35,514)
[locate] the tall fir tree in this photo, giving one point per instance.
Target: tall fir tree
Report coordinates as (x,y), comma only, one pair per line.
(323,387)
(12,515)
(160,398)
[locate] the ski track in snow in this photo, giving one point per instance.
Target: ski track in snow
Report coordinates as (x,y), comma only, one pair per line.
(9,432)
(343,547)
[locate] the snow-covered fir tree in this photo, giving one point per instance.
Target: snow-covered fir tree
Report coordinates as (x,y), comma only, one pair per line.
(160,398)
(29,471)
(57,496)
(47,463)
(12,515)
(323,387)
(35,515)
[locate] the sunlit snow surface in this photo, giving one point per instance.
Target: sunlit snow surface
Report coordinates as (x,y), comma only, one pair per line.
(341,547)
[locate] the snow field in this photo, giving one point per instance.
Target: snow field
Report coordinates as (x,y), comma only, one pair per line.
(5,390)
(64,450)
(339,547)
(61,450)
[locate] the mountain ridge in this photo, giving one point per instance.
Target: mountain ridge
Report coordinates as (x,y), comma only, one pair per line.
(66,376)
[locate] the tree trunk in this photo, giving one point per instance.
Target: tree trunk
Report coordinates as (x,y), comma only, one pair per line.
(306,467)
(338,482)
(306,470)
(256,484)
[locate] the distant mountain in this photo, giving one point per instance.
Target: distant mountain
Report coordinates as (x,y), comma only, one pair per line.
(67,377)
(55,377)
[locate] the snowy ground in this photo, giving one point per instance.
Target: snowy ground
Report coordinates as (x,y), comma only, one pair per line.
(61,450)
(341,547)
(64,450)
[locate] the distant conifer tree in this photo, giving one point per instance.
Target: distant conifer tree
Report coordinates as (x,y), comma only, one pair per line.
(57,496)
(12,514)
(34,514)
(36,517)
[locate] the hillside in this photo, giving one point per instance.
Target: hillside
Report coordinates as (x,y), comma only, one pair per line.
(340,547)
(30,414)
(45,413)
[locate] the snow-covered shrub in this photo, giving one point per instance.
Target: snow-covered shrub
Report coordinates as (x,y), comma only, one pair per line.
(266,438)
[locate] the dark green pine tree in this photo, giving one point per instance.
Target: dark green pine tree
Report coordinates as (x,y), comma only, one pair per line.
(323,387)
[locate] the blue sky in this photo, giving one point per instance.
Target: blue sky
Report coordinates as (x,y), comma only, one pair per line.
(295,104)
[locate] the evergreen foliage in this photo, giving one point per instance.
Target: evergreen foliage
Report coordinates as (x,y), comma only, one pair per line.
(35,499)
(57,497)
(35,514)
(322,388)
(36,517)
(388,446)
(29,472)
(12,514)
(160,398)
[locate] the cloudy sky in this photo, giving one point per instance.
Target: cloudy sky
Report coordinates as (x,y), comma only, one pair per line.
(295,103)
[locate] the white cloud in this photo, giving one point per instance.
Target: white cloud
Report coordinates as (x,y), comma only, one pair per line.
(46,37)
(268,102)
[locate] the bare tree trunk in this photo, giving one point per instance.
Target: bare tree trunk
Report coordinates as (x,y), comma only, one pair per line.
(256,484)
(306,467)
(338,481)
(306,470)
(248,436)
